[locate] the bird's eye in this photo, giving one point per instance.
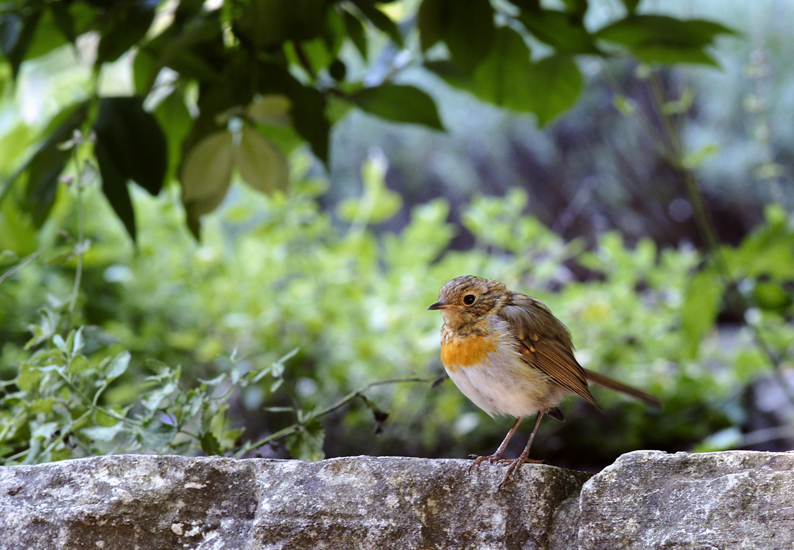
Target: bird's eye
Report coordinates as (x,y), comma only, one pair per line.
(469,299)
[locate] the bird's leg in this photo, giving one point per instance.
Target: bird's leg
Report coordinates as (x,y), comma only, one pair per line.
(524,457)
(498,454)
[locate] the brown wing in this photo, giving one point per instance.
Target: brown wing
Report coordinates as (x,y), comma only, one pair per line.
(546,343)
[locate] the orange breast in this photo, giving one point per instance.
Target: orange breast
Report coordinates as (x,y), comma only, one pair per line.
(468,351)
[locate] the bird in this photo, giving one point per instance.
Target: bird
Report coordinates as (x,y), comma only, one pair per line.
(511,356)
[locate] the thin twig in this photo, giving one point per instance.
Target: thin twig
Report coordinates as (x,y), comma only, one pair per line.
(329,409)
(20,265)
(80,232)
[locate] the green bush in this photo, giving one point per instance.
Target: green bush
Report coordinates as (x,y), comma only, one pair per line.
(281,314)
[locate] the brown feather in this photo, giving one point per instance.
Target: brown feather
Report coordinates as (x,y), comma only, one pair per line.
(610,384)
(546,343)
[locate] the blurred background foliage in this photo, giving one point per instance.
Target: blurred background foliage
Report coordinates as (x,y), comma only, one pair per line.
(259,290)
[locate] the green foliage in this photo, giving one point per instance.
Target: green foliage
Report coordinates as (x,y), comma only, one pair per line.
(199,72)
(663,39)
(399,103)
(275,274)
(60,410)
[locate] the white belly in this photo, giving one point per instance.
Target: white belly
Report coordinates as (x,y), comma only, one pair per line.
(506,385)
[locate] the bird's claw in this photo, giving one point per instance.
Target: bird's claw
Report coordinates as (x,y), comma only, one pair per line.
(491,459)
(512,470)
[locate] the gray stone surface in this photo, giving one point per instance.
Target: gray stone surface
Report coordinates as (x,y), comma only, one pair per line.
(647,499)
(729,500)
(162,502)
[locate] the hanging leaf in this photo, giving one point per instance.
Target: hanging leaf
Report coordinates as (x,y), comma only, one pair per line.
(399,103)
(125,27)
(130,146)
(566,33)
(133,140)
(379,20)
(309,118)
(467,31)
(356,33)
(663,39)
(114,186)
(557,83)
(272,110)
(508,78)
(261,164)
(207,172)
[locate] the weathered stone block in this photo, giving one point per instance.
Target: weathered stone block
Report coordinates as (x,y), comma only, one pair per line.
(165,502)
(726,501)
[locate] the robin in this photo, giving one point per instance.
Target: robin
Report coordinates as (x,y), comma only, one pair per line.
(507,353)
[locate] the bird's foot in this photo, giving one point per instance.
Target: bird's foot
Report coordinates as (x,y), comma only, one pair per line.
(512,470)
(496,457)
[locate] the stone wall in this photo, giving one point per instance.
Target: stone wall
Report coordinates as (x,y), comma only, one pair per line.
(644,500)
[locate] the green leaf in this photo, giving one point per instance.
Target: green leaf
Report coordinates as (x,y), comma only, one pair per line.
(130,145)
(558,83)
(380,20)
(114,186)
(28,378)
(309,118)
(145,69)
(101,433)
(174,118)
(59,342)
(64,20)
(207,172)
(45,166)
(272,110)
(661,30)
(356,33)
(378,203)
(399,103)
(118,365)
(194,49)
(156,434)
(209,444)
(127,25)
(467,31)
(261,164)
(267,24)
(134,141)
(16,34)
(307,442)
(771,296)
(663,39)
(509,79)
(700,307)
(78,364)
(42,405)
(503,77)
(564,32)
(766,252)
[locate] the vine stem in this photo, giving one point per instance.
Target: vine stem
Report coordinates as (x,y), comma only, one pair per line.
(706,227)
(80,232)
(20,265)
(327,410)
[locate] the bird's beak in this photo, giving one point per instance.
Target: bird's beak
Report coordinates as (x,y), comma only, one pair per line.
(438,305)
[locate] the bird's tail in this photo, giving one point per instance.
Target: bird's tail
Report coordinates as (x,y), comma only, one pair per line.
(610,384)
